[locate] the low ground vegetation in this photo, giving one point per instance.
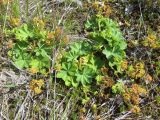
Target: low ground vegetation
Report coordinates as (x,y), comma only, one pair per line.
(79,60)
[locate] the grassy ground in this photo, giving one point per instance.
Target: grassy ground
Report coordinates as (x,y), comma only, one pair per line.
(30,95)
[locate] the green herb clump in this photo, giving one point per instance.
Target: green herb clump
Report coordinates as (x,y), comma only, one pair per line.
(109,40)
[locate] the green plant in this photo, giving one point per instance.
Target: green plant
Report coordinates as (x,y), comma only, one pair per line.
(109,40)
(30,49)
(79,65)
(118,88)
(136,71)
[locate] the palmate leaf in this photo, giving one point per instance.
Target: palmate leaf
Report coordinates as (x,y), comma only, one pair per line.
(67,74)
(20,58)
(69,68)
(76,50)
(94,63)
(64,75)
(91,24)
(41,64)
(21,63)
(75,47)
(85,76)
(81,48)
(108,52)
(115,56)
(123,45)
(22,33)
(67,78)
(74,83)
(71,56)
(113,52)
